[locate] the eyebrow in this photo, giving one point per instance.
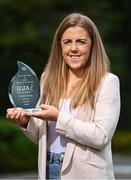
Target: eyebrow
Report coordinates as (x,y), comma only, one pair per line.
(83,39)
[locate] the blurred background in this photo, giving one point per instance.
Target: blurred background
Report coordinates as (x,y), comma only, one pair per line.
(27,28)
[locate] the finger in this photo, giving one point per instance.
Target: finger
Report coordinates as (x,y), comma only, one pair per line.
(33,114)
(9,109)
(11,119)
(14,114)
(44,106)
(9,113)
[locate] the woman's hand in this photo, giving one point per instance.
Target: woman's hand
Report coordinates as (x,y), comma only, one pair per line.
(47,113)
(16,115)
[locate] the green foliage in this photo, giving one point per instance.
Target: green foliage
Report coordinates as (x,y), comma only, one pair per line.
(17,152)
(121,142)
(28,26)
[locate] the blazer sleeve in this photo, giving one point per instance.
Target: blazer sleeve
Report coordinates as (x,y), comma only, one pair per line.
(32,130)
(97,133)
(33,127)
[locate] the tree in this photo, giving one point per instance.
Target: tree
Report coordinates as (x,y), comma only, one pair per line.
(28,26)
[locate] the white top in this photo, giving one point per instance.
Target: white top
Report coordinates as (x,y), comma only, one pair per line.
(56,142)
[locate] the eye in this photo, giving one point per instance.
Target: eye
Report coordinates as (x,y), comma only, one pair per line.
(82,41)
(66,42)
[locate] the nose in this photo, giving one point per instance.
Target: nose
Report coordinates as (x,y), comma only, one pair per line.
(74,47)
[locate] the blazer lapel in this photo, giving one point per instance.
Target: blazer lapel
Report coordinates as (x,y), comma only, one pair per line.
(68,154)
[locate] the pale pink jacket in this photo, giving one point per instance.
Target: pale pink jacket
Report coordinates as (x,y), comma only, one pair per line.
(88,152)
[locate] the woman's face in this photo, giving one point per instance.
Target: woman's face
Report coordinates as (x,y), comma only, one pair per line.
(76,47)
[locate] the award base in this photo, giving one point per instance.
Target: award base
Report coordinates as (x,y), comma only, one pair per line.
(33,110)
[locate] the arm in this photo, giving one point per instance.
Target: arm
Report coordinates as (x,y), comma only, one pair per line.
(32,129)
(99,132)
(29,125)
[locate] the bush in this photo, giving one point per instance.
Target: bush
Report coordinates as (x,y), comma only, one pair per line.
(121,142)
(17,152)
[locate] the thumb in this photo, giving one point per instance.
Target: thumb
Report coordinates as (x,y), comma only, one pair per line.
(44,106)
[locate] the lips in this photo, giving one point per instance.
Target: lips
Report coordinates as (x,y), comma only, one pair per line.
(74,56)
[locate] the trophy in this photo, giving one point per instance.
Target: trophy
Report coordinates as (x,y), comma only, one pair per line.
(24,88)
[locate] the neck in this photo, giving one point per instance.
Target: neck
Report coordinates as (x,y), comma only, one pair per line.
(75,75)
(73,79)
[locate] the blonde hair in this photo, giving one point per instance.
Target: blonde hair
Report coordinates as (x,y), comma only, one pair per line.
(55,76)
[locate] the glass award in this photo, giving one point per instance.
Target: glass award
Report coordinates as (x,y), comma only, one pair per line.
(24,88)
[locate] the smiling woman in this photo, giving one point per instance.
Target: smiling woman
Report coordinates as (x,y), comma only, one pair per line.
(76,46)
(80,106)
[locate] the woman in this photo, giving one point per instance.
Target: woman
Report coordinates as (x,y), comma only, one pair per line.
(80,106)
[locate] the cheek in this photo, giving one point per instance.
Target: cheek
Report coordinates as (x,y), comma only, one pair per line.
(86,56)
(65,51)
(87,52)
(64,56)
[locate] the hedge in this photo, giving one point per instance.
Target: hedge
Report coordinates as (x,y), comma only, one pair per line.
(121,142)
(17,152)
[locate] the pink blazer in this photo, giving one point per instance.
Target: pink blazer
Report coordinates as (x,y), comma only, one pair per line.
(88,152)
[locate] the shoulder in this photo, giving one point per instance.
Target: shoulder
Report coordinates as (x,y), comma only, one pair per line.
(109,85)
(109,79)
(111,76)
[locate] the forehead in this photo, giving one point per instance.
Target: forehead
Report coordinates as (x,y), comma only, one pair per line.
(75,32)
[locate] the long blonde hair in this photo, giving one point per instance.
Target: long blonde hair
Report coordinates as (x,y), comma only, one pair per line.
(55,76)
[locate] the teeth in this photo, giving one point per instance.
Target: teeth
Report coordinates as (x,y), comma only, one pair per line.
(75,56)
